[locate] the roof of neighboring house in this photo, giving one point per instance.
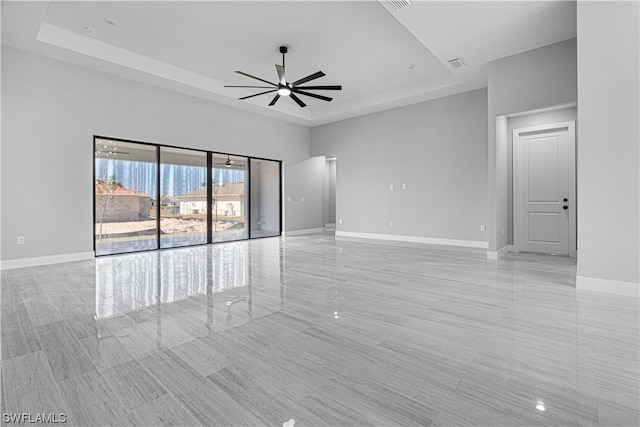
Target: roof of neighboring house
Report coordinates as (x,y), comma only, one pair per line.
(121,191)
(231,189)
(198,194)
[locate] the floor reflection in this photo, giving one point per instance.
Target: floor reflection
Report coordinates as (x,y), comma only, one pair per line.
(177,295)
(128,282)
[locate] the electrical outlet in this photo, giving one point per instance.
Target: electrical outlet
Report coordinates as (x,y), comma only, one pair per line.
(390,223)
(390,186)
(404,186)
(483,227)
(340,221)
(302,199)
(22,240)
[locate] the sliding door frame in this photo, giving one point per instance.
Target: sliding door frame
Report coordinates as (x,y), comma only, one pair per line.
(210,155)
(280,205)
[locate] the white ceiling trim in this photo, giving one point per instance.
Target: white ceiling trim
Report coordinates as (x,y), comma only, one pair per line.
(90,47)
(399,96)
(97,49)
(66,39)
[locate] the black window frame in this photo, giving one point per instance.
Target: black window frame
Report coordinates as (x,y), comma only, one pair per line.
(210,154)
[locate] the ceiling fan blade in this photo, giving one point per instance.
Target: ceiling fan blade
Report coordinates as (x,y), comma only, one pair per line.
(308,78)
(274,100)
(256,94)
(254,77)
(330,87)
(281,77)
(313,95)
(256,87)
(298,100)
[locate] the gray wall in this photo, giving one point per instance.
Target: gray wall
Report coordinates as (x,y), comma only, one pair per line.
(437,148)
(52,109)
(608,155)
(532,80)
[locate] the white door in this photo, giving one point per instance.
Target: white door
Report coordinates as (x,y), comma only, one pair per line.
(544,215)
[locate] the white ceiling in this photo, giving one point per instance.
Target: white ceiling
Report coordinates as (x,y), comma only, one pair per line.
(382,58)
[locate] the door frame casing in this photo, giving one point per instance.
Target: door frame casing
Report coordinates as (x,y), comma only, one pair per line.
(517,181)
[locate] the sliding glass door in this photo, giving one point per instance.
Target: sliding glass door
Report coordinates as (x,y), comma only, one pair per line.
(125,186)
(229,204)
(265,198)
(183,197)
(149,196)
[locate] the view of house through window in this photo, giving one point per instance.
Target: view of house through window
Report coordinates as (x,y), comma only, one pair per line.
(229,202)
(183,197)
(125,188)
(149,196)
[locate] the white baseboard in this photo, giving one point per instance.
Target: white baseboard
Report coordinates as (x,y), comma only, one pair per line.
(616,287)
(45,260)
(302,232)
(496,255)
(415,239)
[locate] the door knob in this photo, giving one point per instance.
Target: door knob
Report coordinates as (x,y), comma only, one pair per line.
(565,207)
(565,200)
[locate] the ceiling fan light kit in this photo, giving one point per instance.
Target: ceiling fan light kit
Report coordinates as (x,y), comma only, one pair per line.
(291,90)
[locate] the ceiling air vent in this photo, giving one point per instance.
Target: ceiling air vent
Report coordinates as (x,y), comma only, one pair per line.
(457,62)
(400,4)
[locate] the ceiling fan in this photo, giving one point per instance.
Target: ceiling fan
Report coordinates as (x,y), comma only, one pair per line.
(229,163)
(284,88)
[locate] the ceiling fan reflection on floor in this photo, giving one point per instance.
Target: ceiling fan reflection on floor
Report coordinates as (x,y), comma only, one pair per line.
(229,163)
(284,88)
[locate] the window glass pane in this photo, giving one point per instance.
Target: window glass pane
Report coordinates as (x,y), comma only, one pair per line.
(125,189)
(265,198)
(130,176)
(229,198)
(183,197)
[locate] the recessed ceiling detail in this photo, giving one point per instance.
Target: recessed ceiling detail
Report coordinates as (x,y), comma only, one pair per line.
(193,47)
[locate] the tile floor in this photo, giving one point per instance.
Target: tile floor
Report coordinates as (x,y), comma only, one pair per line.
(322,331)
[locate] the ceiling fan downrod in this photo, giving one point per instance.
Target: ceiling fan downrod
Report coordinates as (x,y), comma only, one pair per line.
(283,51)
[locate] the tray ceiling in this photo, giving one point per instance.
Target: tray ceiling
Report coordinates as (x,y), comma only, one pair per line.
(383,58)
